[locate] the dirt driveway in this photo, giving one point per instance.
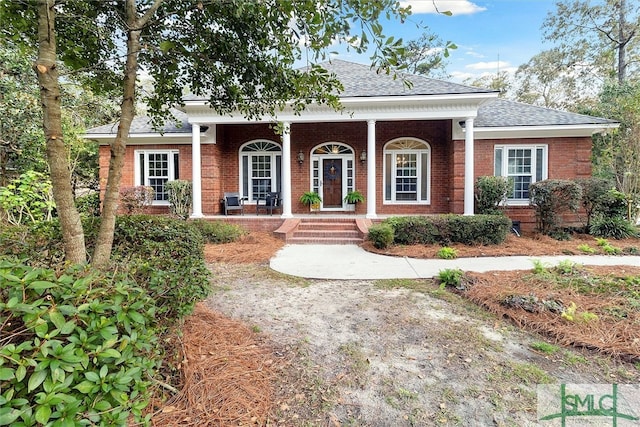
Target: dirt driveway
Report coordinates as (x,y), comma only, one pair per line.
(396,352)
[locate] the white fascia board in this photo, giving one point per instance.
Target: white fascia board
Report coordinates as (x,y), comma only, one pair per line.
(429,107)
(520,132)
(144,138)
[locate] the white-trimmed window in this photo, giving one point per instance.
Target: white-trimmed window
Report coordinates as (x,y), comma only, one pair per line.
(523,165)
(260,169)
(154,168)
(407,171)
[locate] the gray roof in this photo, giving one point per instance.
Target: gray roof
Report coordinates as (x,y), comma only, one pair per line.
(142,124)
(505,113)
(362,81)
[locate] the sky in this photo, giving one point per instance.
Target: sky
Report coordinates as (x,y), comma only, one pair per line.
(491,35)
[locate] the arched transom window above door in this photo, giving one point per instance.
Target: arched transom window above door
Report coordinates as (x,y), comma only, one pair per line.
(407,171)
(260,168)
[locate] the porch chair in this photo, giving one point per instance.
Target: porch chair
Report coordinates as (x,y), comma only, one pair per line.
(269,203)
(233,202)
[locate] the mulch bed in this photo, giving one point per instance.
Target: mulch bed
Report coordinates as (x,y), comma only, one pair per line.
(529,301)
(228,375)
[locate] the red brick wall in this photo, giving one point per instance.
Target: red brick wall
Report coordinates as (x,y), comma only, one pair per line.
(220,161)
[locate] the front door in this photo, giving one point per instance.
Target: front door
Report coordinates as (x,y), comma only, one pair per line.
(331,183)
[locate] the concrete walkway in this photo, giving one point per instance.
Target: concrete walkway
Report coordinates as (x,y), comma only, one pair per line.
(352,262)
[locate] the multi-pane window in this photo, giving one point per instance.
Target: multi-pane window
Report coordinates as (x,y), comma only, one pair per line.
(155,168)
(406,171)
(260,164)
(523,165)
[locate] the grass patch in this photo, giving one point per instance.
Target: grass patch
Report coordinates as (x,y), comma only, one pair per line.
(418,285)
(544,347)
(356,362)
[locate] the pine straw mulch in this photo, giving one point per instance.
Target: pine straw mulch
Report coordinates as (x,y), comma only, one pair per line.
(228,375)
(532,302)
(530,244)
(255,247)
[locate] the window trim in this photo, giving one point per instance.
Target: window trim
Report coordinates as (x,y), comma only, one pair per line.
(534,160)
(276,181)
(172,168)
(420,151)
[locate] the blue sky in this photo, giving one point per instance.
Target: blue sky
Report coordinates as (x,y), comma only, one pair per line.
(508,31)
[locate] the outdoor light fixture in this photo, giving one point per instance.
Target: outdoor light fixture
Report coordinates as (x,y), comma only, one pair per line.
(363,156)
(300,157)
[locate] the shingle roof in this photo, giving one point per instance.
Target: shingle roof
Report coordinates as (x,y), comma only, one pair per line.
(142,124)
(505,113)
(362,81)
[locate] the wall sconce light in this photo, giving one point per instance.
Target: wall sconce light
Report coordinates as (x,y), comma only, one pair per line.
(363,156)
(300,157)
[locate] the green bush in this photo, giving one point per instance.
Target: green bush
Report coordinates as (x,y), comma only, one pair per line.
(451,277)
(180,197)
(612,227)
(75,349)
(551,198)
(491,193)
(447,253)
(89,204)
(381,235)
(594,194)
(27,199)
(447,229)
(218,231)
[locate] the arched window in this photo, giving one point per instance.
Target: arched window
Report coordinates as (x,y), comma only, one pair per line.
(407,171)
(260,168)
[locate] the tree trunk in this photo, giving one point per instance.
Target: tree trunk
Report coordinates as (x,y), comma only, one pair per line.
(622,42)
(45,67)
(104,241)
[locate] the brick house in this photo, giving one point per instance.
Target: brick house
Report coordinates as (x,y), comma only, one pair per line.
(409,149)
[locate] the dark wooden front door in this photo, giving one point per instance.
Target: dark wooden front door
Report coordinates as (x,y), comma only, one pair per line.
(332,183)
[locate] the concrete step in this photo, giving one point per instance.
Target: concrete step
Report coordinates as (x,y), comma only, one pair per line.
(328,231)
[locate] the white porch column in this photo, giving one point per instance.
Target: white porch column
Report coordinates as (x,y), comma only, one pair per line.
(196,172)
(286,170)
(371,169)
(468,166)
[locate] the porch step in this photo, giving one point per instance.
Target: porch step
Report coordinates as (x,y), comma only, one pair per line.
(326,231)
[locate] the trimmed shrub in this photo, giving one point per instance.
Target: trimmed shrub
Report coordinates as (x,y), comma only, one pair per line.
(447,229)
(594,194)
(491,193)
(550,199)
(135,199)
(76,349)
(218,231)
(180,197)
(381,235)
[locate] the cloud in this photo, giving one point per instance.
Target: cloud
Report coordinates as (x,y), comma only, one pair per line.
(456,7)
(490,65)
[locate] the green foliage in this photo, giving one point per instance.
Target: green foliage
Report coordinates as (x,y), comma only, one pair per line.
(447,253)
(447,229)
(586,249)
(382,235)
(612,227)
(544,347)
(27,198)
(166,257)
(491,192)
(180,197)
(134,199)
(594,196)
(310,198)
(354,197)
(550,198)
(89,204)
(450,277)
(218,231)
(75,349)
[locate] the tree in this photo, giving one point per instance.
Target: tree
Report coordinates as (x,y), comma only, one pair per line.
(546,82)
(501,81)
(427,55)
(602,40)
(238,53)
